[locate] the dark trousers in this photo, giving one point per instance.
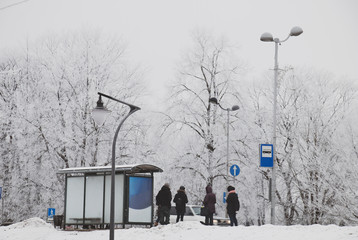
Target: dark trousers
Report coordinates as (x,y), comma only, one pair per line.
(164,215)
(233,220)
(180,216)
(209,219)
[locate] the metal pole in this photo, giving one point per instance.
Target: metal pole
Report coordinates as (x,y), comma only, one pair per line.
(267,37)
(133,109)
(2,206)
(227,149)
(100,107)
(113,178)
(273,187)
(227,155)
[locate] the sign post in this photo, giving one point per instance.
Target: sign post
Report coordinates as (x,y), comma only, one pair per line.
(266,155)
(2,206)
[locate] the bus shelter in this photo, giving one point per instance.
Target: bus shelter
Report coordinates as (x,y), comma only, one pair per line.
(88,190)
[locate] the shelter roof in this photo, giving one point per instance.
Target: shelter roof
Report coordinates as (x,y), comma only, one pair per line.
(134,168)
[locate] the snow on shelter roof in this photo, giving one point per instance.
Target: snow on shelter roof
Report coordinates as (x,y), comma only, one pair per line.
(135,168)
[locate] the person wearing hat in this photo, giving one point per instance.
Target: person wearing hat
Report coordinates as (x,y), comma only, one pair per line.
(233,205)
(180,200)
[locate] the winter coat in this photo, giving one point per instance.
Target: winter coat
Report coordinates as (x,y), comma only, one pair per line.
(164,197)
(210,199)
(233,204)
(180,200)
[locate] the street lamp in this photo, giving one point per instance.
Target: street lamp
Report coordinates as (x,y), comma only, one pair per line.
(267,37)
(99,115)
(233,108)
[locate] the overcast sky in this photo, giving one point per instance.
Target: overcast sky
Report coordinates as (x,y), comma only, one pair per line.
(158,31)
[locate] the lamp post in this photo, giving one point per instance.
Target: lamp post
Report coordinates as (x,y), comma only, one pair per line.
(233,108)
(267,37)
(99,115)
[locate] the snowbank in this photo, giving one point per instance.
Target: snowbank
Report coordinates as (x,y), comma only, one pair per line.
(37,229)
(31,229)
(31,223)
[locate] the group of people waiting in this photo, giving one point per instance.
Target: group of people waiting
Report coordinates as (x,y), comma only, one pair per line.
(164,197)
(163,201)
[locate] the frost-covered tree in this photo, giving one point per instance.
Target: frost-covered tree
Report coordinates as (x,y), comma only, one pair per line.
(312,165)
(322,108)
(47,102)
(10,81)
(195,127)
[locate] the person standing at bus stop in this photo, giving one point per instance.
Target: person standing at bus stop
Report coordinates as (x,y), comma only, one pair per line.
(233,205)
(163,200)
(180,200)
(209,203)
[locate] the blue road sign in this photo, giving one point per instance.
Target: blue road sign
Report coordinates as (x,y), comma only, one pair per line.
(266,155)
(234,170)
(50,213)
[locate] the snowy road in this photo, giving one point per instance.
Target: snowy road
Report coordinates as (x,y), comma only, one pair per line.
(37,229)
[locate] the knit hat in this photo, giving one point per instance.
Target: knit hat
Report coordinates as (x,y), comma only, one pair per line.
(182,188)
(230,188)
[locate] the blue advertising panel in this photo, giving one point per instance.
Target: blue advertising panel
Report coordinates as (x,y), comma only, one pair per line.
(140,199)
(266,155)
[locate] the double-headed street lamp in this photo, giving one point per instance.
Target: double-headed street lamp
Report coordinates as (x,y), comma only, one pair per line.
(99,115)
(233,108)
(267,37)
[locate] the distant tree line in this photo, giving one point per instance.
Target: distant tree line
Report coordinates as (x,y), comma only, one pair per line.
(48,89)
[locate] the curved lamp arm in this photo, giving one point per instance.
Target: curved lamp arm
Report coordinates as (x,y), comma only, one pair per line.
(112,98)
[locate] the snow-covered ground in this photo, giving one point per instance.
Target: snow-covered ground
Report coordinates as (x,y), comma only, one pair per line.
(37,229)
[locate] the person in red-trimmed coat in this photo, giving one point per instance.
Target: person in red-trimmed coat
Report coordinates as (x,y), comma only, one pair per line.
(209,203)
(233,205)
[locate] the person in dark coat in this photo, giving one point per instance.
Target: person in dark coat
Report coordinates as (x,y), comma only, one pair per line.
(163,200)
(233,205)
(209,203)
(180,200)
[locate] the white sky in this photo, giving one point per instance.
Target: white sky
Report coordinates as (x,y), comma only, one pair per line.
(158,31)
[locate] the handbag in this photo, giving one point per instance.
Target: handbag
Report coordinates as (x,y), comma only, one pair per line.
(204,211)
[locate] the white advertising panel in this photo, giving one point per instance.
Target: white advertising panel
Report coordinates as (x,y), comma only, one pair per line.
(74,200)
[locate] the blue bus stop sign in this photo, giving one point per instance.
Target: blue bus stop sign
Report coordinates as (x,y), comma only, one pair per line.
(234,170)
(50,213)
(266,155)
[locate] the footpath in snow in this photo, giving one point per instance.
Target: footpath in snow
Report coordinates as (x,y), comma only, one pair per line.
(37,229)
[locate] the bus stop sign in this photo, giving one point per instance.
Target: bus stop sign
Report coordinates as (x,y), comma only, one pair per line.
(266,155)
